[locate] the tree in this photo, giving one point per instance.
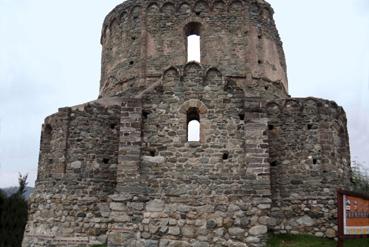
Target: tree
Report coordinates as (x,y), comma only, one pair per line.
(22,180)
(13,216)
(360,178)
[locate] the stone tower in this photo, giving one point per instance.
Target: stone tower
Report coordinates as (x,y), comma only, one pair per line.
(121,170)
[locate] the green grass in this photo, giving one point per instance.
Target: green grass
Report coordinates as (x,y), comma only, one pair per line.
(310,241)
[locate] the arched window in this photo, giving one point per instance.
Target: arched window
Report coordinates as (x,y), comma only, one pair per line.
(193,125)
(192,32)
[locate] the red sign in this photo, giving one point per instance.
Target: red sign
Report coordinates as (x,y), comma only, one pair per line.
(353,215)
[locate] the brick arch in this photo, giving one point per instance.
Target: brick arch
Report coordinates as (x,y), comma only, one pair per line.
(168,8)
(193,103)
(192,67)
(213,72)
(170,76)
(172,70)
(152,7)
(184,8)
(135,11)
(218,6)
(123,16)
(235,6)
(201,6)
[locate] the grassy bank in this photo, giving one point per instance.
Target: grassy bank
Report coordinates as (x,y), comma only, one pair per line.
(310,241)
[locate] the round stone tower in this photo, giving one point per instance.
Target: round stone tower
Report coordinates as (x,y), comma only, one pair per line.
(140,39)
(124,170)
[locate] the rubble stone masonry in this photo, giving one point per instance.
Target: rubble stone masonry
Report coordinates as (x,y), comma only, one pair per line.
(120,170)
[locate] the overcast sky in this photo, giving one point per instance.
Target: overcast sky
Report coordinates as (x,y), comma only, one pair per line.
(50,58)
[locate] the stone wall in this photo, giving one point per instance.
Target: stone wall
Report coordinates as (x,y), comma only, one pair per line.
(214,192)
(53,145)
(120,170)
(78,160)
(140,39)
(310,159)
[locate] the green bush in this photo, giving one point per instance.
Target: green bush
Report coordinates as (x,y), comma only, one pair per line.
(13,216)
(360,178)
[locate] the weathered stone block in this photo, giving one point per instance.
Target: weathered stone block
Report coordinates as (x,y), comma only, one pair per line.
(258,230)
(155,206)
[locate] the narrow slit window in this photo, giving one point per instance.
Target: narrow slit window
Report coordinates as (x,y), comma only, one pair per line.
(193,49)
(193,125)
(192,32)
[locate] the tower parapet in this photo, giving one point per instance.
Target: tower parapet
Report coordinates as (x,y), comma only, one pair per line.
(140,38)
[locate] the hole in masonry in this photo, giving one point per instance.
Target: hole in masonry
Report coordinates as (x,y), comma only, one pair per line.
(152,153)
(270,127)
(131,62)
(145,114)
(274,163)
(315,161)
(266,87)
(260,62)
(242,116)
(105,160)
(259,36)
(133,38)
(225,156)
(113,125)
(309,126)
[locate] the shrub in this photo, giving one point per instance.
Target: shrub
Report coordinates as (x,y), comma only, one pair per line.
(13,216)
(360,178)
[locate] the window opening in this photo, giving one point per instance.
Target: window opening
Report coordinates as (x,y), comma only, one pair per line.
(192,32)
(193,125)
(193,48)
